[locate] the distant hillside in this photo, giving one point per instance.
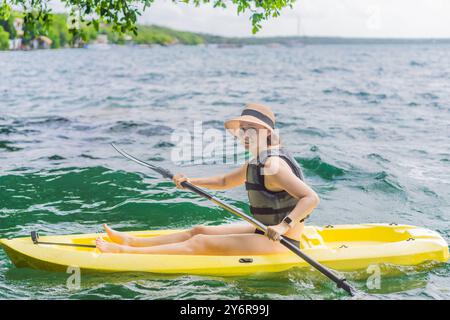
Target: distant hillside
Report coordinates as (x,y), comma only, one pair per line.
(154,35)
(295,40)
(58,36)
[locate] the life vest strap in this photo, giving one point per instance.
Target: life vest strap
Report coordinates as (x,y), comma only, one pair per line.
(254,186)
(256,210)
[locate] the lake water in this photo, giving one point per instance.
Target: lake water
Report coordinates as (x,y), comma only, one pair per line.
(369,124)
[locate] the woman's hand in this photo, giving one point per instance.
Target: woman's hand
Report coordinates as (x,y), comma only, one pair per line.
(178,179)
(275,232)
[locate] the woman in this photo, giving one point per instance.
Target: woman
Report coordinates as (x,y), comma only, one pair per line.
(278,198)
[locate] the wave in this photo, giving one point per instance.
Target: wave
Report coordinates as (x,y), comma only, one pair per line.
(50,121)
(164,144)
(312,131)
(378,157)
(155,130)
(156,158)
(316,166)
(216,124)
(429,96)
(386,182)
(151,77)
(359,178)
(55,157)
(7,130)
(329,69)
(88,156)
(6,145)
(377,181)
(362,95)
(146,128)
(414,63)
(96,195)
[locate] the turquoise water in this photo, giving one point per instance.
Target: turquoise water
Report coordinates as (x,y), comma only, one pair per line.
(369,124)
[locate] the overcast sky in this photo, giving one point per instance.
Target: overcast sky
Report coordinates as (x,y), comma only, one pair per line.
(344,18)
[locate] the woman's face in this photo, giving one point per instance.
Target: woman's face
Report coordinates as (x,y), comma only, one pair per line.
(249,134)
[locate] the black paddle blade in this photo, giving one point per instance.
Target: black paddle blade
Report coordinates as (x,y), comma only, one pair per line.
(343,284)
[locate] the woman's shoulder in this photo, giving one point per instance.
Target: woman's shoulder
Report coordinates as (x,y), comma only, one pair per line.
(274,164)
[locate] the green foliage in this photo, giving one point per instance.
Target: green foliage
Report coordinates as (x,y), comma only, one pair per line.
(117,19)
(113,37)
(4,39)
(88,33)
(147,37)
(161,35)
(122,15)
(8,25)
(58,30)
(260,10)
(5,10)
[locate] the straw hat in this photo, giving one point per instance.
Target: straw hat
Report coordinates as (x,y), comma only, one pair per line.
(253,113)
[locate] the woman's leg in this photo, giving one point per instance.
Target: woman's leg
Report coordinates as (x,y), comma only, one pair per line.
(201,244)
(133,241)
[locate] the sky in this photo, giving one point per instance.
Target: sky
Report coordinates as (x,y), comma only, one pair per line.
(342,18)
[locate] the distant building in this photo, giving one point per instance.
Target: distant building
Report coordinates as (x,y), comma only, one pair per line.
(102,39)
(16,43)
(127,39)
(44,42)
(18,25)
(40,42)
(100,43)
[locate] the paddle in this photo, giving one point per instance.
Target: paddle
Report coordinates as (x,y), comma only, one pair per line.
(341,282)
(35,238)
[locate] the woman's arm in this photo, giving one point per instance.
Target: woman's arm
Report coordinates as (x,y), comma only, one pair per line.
(221,182)
(279,176)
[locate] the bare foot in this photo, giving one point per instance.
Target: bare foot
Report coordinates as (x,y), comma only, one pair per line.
(116,236)
(107,247)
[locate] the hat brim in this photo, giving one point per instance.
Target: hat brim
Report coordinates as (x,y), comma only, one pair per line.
(234,124)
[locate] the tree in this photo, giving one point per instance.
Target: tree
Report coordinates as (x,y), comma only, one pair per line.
(58,31)
(122,14)
(4,39)
(8,26)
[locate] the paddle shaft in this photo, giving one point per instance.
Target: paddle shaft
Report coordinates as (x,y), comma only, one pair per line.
(68,244)
(35,238)
(341,282)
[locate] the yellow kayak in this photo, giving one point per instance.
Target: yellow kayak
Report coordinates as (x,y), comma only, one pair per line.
(340,247)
